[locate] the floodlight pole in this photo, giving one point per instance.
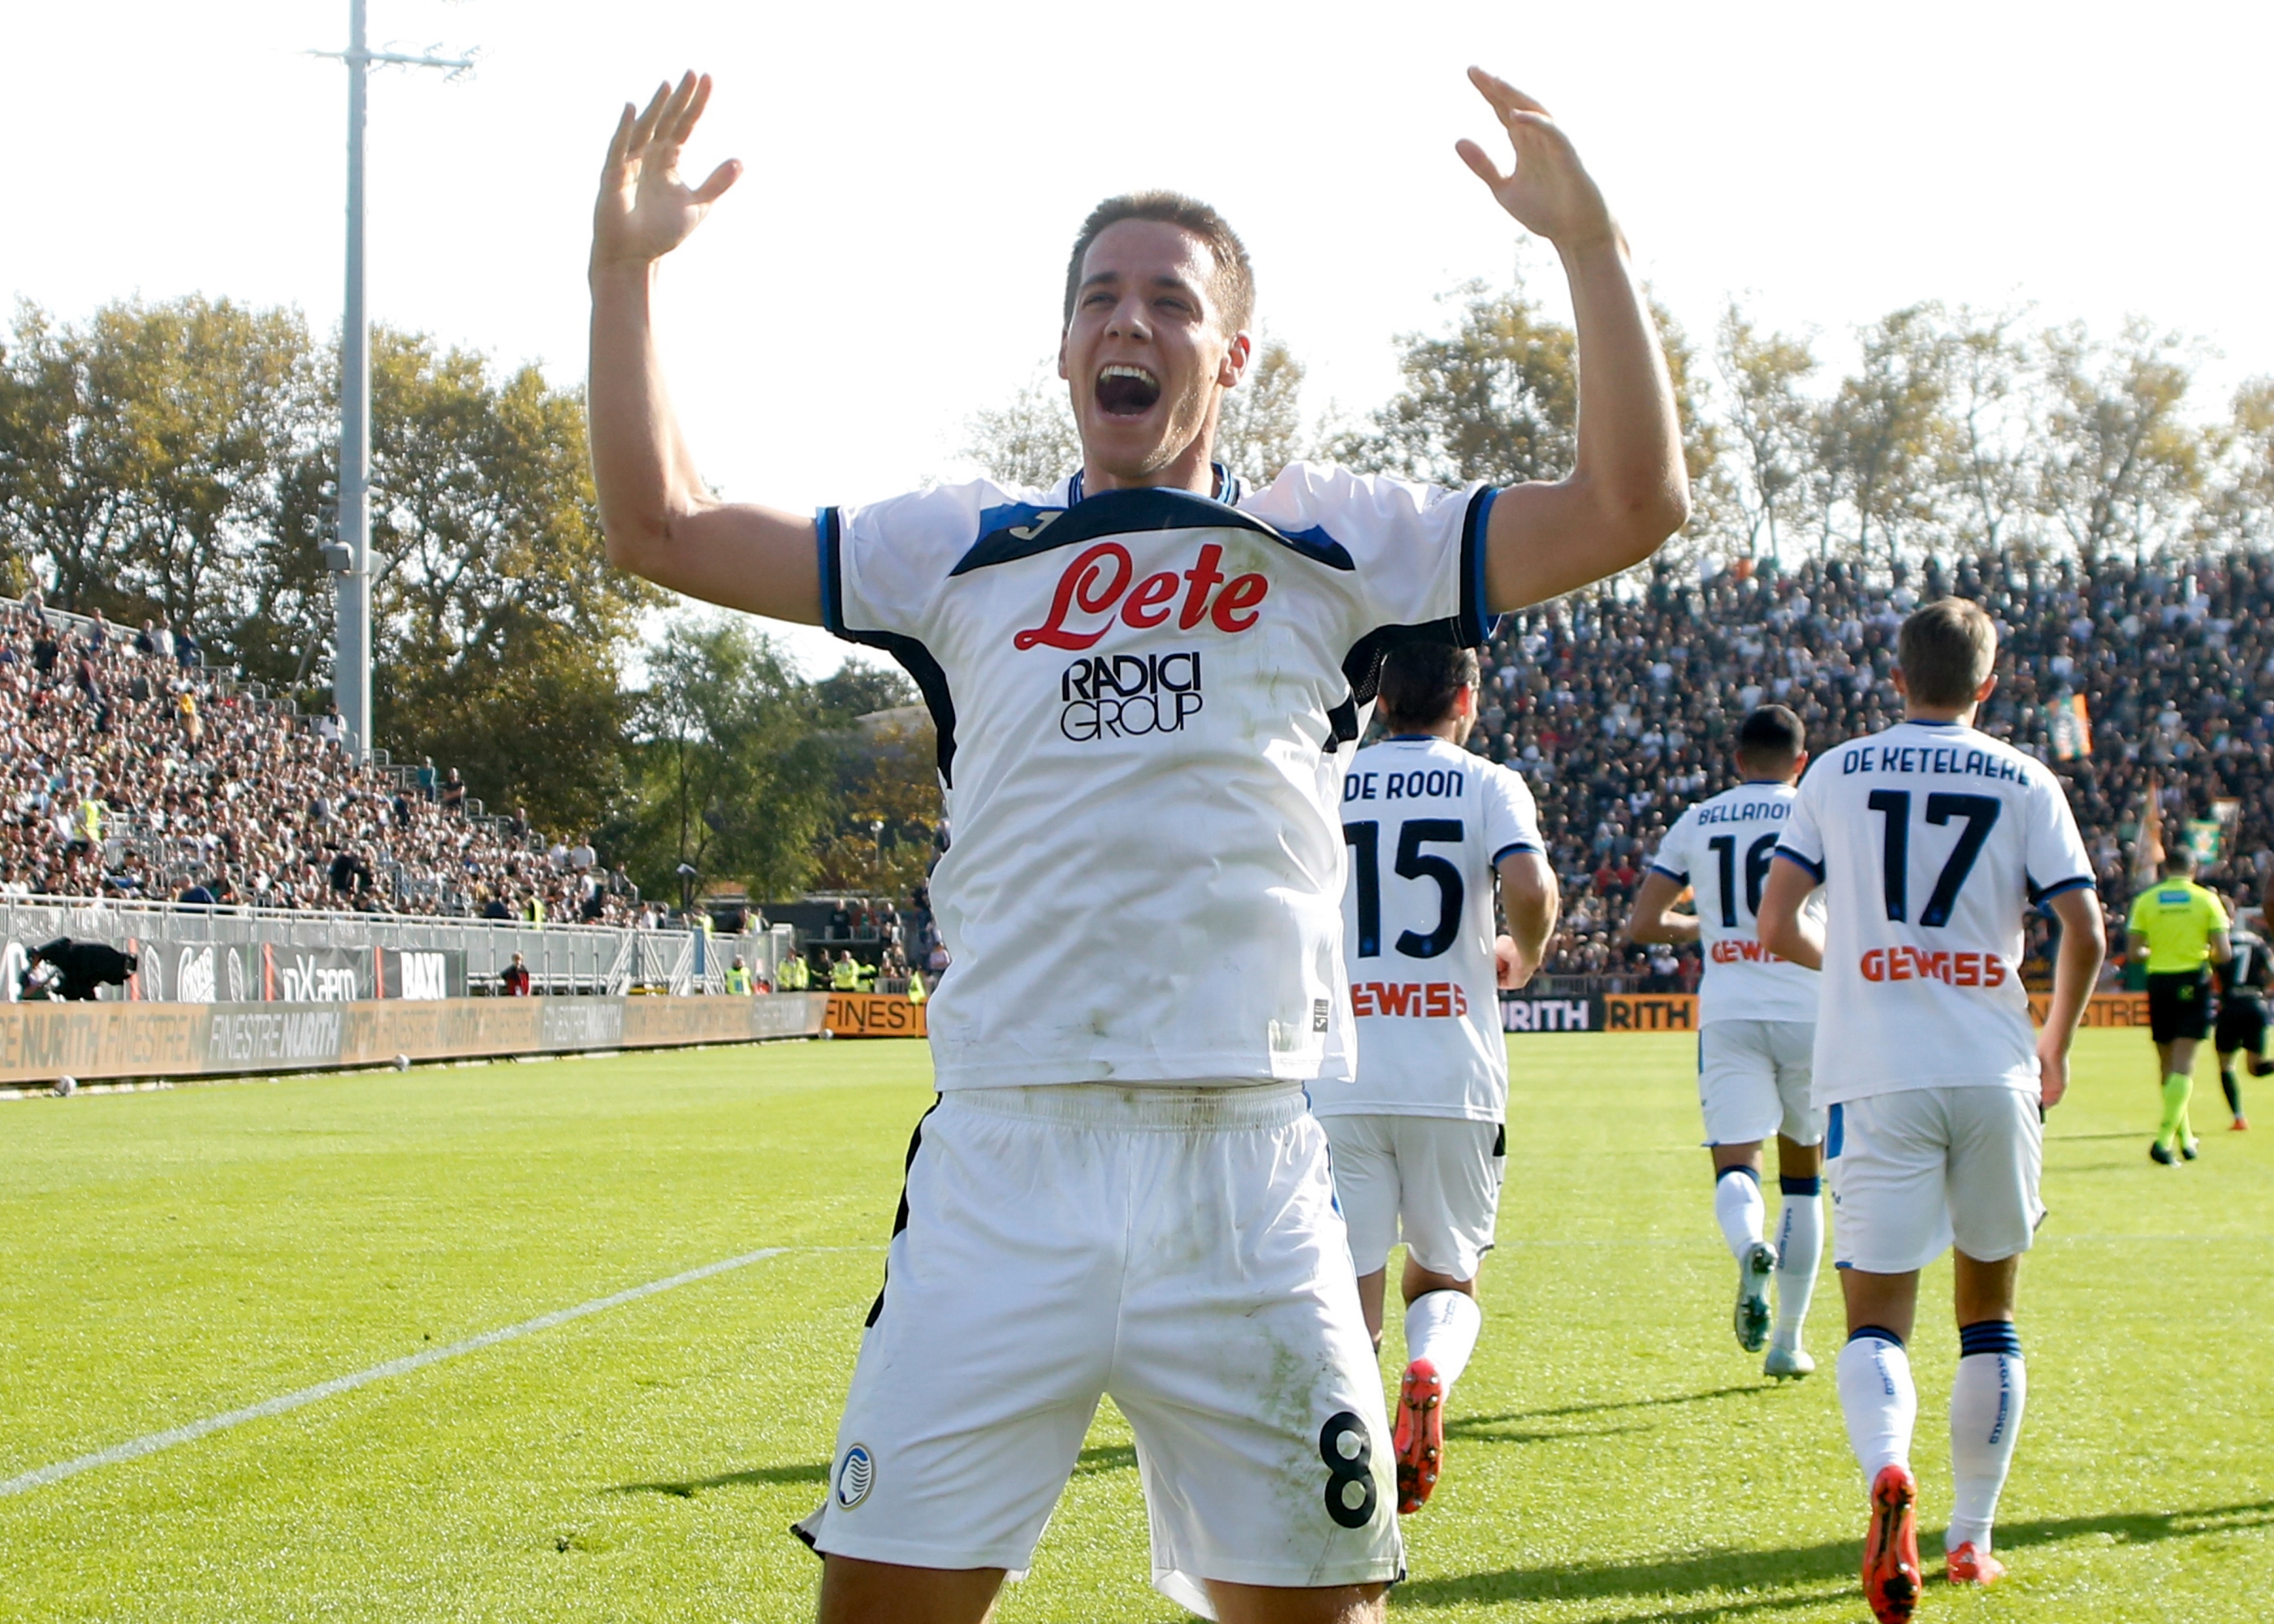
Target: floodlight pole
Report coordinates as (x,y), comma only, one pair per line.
(349,558)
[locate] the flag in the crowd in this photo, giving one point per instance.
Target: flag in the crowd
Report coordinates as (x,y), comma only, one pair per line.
(2202,837)
(2147,846)
(2071,727)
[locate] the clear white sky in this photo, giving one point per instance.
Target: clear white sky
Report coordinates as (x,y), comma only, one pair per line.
(891,261)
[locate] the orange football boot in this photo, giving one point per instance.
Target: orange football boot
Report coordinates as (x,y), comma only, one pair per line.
(1969,1566)
(1418,1438)
(1891,1560)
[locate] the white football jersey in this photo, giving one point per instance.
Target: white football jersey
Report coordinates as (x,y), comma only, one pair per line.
(1426,824)
(1932,841)
(1145,700)
(1721,848)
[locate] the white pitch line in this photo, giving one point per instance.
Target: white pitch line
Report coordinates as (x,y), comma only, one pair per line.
(155,1441)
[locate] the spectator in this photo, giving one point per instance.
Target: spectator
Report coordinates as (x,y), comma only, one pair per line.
(513,981)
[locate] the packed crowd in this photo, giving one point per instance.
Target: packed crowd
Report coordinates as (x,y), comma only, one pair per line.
(133,771)
(1616,705)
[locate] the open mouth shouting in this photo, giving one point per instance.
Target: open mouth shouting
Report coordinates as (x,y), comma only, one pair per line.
(1126,391)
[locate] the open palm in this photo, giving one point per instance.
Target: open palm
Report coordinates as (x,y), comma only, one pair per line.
(645,209)
(1548,191)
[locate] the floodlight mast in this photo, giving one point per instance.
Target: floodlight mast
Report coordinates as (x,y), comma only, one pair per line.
(349,557)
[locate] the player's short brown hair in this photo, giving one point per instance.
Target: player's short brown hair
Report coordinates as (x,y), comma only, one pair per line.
(1235,278)
(1946,649)
(1420,681)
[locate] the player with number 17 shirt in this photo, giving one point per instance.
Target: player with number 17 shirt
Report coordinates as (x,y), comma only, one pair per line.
(1931,841)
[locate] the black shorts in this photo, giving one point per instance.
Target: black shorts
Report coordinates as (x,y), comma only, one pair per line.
(2179,1006)
(2241,1025)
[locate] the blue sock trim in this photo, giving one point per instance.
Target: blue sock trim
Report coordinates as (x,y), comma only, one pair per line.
(1879,1332)
(1800,1186)
(1989,1336)
(1736,1167)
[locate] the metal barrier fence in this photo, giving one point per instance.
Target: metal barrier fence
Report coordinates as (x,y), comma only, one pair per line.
(561,959)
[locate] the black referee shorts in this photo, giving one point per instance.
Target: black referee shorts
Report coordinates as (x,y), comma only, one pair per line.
(2241,1024)
(2179,1006)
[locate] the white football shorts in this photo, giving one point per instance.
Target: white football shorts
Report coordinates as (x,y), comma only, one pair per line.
(1917,1172)
(1753,1081)
(1433,1179)
(1177,1248)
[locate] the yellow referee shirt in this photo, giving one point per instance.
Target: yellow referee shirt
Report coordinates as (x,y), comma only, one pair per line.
(2178,918)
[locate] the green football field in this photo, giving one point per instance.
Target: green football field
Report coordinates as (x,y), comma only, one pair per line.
(167,1258)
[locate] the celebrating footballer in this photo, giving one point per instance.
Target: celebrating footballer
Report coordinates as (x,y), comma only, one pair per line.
(1121,1188)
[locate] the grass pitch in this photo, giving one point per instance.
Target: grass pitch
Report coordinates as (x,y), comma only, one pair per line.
(169,1257)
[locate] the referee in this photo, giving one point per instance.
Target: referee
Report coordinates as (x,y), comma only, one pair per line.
(2182,929)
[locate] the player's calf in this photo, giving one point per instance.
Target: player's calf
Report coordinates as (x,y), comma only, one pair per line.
(1987,1401)
(1743,1216)
(1440,1333)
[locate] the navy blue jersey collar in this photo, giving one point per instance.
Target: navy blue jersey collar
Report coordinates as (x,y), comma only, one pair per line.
(1225,490)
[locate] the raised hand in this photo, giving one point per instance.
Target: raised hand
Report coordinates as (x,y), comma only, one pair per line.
(1548,191)
(645,209)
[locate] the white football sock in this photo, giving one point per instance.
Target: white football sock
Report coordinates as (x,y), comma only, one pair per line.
(1442,1328)
(1800,1248)
(1738,1208)
(1879,1400)
(1986,1419)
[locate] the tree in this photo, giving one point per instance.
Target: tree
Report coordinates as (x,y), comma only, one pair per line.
(1496,399)
(1772,424)
(2120,468)
(139,453)
(735,775)
(1030,443)
(1881,440)
(1260,428)
(2243,509)
(888,807)
(493,602)
(859,689)
(61,503)
(1990,472)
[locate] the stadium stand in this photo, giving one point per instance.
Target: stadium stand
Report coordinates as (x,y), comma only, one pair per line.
(1614,704)
(136,771)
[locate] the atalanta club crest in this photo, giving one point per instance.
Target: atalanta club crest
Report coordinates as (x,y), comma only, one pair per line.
(856,1475)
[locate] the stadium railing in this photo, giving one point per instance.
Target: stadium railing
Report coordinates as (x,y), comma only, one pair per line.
(561,959)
